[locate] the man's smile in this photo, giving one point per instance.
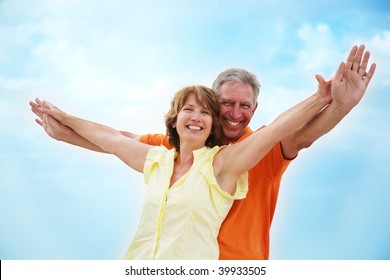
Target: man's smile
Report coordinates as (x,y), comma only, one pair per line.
(233,123)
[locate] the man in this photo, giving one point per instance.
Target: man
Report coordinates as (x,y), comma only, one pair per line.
(245,232)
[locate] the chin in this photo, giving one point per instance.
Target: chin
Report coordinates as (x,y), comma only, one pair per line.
(232,135)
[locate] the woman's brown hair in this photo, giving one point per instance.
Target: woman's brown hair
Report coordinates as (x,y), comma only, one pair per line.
(204,96)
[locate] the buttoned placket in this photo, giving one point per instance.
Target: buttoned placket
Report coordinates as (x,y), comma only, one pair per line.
(162,207)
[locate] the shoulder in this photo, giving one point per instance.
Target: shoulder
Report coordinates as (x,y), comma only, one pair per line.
(206,155)
(159,154)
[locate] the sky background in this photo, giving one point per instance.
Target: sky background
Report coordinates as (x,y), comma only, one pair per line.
(119,62)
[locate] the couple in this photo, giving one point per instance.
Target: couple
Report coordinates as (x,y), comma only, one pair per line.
(192,187)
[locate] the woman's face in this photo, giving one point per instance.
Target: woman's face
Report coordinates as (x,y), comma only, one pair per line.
(194,123)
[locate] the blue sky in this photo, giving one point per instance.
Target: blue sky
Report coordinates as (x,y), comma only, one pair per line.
(119,62)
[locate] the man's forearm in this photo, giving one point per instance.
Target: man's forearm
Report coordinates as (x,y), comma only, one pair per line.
(298,115)
(320,125)
(72,137)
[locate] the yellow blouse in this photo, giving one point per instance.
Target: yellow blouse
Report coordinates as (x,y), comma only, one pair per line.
(182,221)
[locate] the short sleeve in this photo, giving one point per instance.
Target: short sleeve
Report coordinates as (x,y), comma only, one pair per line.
(156,156)
(241,186)
(241,183)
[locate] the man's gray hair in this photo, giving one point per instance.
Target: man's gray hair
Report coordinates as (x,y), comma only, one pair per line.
(237,75)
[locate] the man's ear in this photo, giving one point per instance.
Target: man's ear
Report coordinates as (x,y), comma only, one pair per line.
(254,109)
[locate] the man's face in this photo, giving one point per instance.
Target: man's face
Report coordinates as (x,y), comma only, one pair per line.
(236,109)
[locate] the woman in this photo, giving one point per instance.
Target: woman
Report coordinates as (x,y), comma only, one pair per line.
(192,187)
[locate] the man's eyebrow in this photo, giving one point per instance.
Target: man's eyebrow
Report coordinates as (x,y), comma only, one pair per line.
(225,100)
(231,101)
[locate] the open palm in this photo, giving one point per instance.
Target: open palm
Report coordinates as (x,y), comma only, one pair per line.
(351,79)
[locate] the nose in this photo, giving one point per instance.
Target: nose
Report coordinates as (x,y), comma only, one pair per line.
(195,117)
(236,112)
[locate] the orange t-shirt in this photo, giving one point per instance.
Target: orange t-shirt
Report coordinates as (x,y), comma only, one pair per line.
(244,235)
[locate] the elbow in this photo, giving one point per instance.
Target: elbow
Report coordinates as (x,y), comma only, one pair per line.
(304,145)
(291,147)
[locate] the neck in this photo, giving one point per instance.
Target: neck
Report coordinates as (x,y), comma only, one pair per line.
(186,155)
(226,140)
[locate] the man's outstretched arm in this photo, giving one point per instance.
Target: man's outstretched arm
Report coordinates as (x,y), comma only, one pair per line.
(60,132)
(347,89)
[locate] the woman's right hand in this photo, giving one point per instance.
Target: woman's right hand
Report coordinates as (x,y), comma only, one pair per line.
(53,127)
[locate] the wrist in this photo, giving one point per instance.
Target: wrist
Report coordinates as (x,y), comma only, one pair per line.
(66,135)
(66,119)
(323,98)
(339,108)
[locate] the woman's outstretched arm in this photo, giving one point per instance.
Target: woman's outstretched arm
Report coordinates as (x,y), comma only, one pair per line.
(130,151)
(60,132)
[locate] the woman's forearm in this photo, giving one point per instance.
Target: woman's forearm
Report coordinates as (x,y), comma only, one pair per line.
(96,134)
(130,151)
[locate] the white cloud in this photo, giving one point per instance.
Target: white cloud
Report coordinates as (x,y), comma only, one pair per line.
(379,45)
(320,52)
